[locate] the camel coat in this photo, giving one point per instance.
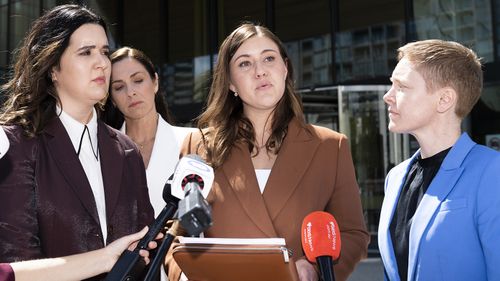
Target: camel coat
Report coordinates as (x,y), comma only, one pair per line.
(313,172)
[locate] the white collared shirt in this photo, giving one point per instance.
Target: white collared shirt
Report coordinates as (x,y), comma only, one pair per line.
(4,143)
(85,143)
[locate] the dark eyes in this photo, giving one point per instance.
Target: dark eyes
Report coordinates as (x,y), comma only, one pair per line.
(270,59)
(244,64)
(247,63)
(88,52)
(85,52)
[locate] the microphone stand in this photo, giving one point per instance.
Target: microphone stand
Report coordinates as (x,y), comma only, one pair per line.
(130,265)
(195,216)
(155,264)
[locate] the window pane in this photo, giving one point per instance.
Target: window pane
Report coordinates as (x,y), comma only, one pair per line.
(485,117)
(497,24)
(367,42)
(308,43)
(3,35)
(465,21)
(24,13)
(188,68)
(233,13)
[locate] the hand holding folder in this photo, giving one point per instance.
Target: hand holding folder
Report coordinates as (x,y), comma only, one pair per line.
(228,259)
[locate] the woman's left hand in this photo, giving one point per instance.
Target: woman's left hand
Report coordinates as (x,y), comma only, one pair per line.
(306,270)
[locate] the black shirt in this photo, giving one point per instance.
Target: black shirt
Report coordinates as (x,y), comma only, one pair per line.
(417,181)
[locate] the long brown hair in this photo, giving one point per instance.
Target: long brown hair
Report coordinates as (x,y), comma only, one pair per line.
(112,115)
(31,95)
(223,123)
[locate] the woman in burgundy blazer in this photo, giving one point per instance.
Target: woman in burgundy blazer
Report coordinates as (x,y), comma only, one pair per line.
(47,202)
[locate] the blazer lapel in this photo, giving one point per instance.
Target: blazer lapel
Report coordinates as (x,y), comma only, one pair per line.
(294,158)
(60,146)
(438,191)
(391,198)
(240,174)
(159,163)
(111,157)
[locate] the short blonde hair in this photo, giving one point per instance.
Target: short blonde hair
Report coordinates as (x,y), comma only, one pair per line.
(447,64)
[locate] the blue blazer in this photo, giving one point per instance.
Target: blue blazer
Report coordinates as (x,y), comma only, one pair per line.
(455,233)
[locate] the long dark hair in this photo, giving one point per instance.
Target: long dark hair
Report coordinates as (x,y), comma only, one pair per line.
(112,115)
(31,95)
(223,122)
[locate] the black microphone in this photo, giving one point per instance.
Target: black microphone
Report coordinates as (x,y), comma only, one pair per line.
(190,183)
(130,265)
(195,215)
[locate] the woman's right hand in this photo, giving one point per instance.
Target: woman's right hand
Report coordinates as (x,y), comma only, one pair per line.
(117,247)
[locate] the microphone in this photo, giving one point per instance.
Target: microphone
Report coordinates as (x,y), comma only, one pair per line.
(185,192)
(321,242)
(191,176)
(191,168)
(193,180)
(4,143)
(130,265)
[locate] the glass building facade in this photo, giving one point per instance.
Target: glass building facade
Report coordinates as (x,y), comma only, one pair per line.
(343,53)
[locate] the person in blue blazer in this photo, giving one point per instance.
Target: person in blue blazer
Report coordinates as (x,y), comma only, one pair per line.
(440,219)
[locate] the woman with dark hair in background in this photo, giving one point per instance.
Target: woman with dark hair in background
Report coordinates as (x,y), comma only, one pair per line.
(69,183)
(271,168)
(137,107)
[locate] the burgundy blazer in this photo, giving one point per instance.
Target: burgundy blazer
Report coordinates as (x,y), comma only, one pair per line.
(47,208)
(6,272)
(313,172)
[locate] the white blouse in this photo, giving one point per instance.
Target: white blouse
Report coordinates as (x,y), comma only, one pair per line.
(262,177)
(84,140)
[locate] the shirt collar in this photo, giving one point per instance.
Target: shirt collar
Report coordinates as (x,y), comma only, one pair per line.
(75,128)
(4,142)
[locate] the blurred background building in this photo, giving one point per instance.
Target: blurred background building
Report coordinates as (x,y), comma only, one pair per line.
(343,53)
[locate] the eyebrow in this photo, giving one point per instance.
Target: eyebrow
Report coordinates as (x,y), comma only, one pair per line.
(263,51)
(87,47)
(400,82)
(395,80)
(132,75)
(135,73)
